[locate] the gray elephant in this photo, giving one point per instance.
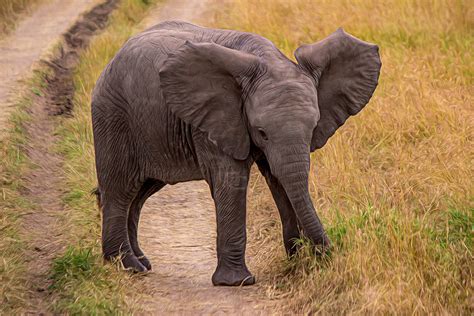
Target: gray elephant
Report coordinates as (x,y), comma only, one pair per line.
(181,102)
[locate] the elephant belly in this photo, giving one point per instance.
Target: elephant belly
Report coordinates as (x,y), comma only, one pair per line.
(169,150)
(173,171)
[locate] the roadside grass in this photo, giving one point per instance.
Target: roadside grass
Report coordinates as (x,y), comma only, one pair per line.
(83,283)
(10,10)
(15,164)
(394,186)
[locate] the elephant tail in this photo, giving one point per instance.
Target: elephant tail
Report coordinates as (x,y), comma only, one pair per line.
(96,192)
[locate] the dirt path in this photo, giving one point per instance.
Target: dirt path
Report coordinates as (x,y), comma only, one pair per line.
(40,225)
(33,37)
(43,184)
(177,233)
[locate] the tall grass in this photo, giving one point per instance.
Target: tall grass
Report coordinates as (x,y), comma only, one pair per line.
(9,12)
(394,186)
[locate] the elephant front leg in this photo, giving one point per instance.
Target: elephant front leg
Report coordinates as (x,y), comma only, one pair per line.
(229,196)
(291,231)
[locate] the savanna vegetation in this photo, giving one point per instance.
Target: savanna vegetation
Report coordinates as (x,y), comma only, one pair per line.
(9,11)
(394,186)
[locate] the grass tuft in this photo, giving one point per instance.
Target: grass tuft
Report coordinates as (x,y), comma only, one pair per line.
(74,264)
(85,285)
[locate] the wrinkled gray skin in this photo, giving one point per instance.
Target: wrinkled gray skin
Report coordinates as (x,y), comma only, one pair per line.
(181,102)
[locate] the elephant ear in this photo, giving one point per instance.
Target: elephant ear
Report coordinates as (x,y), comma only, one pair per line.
(200,85)
(346,72)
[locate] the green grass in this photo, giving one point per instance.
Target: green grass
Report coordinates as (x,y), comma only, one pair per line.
(87,282)
(83,283)
(74,264)
(394,187)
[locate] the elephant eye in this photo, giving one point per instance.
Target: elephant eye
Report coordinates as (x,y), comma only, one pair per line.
(262,134)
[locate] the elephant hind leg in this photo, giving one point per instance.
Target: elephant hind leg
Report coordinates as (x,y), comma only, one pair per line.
(115,201)
(119,177)
(149,187)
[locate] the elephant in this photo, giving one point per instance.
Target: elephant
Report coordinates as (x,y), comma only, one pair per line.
(180,102)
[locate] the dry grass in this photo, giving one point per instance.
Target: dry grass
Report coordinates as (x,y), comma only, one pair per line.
(394,186)
(10,10)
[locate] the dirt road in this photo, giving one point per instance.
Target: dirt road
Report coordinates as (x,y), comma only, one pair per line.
(33,37)
(177,232)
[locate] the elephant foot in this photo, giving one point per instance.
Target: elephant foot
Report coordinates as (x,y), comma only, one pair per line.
(232,277)
(145,262)
(133,264)
(323,246)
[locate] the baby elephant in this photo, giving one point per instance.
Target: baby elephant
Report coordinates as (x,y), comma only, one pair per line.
(181,102)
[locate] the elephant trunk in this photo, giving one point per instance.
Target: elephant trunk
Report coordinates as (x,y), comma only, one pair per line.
(292,169)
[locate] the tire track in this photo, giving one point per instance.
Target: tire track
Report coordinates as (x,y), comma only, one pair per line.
(33,38)
(43,183)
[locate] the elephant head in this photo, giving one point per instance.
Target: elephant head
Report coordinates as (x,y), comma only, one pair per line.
(241,97)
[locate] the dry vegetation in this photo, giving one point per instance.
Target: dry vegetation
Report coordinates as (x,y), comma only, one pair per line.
(394,186)
(9,12)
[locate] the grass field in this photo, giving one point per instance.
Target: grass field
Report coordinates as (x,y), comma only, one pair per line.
(394,186)
(9,12)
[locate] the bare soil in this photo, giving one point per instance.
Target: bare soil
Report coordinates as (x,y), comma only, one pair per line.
(40,225)
(178,232)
